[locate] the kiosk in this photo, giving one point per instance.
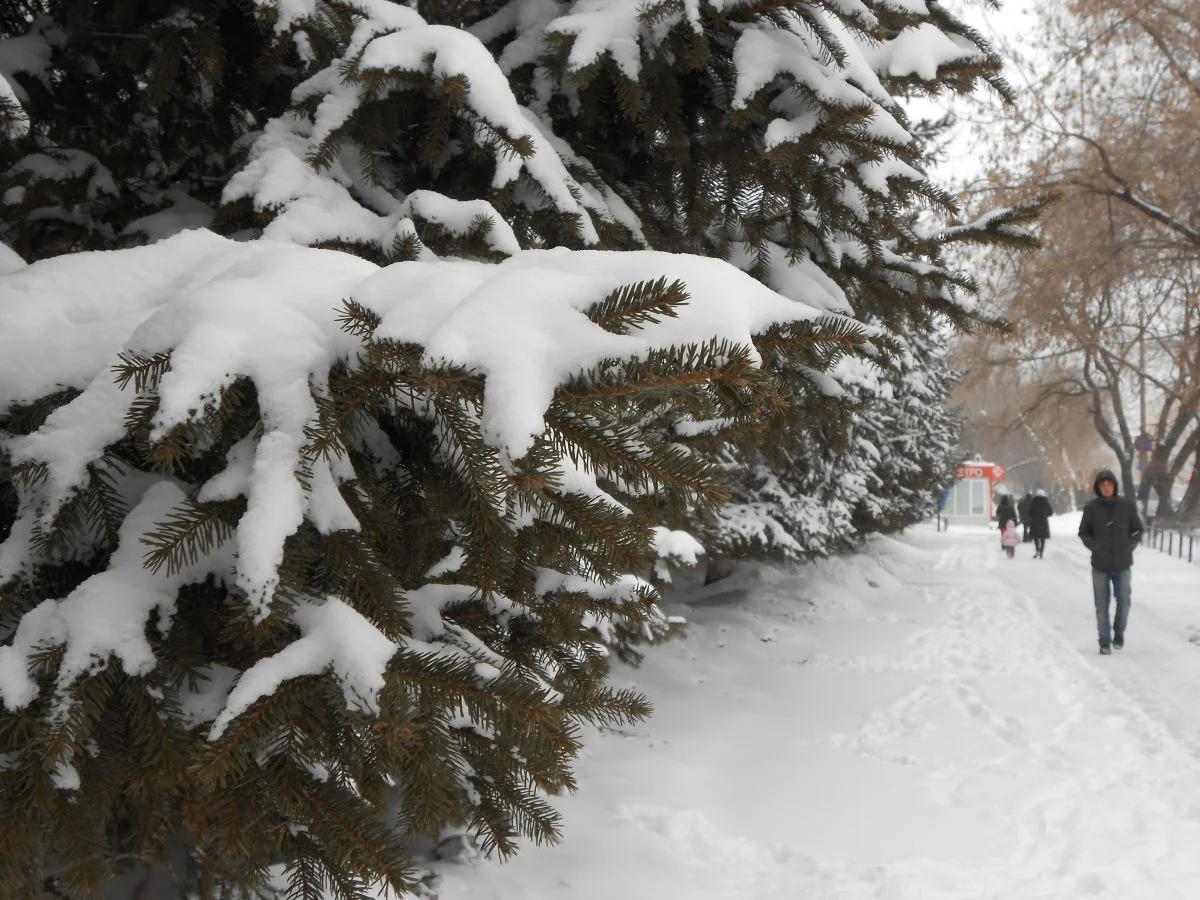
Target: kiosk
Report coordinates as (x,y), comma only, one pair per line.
(969,502)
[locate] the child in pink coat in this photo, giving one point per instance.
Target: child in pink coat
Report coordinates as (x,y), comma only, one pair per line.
(1010,538)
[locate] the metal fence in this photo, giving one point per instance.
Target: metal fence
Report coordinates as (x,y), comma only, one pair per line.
(1181,544)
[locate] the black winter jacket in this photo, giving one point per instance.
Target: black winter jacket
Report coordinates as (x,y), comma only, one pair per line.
(1005,513)
(1110,527)
(1038,517)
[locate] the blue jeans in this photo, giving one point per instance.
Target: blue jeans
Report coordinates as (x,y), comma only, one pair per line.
(1120,581)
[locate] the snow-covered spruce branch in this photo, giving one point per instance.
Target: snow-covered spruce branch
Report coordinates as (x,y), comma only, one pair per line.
(302,495)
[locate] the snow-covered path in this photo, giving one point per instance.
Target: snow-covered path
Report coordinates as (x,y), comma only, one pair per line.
(925,721)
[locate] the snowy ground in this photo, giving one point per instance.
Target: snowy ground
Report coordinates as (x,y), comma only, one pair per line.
(925,721)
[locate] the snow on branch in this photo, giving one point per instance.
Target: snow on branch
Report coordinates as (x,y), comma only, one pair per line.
(14,121)
(313,174)
(922,51)
(65,164)
(334,638)
(163,341)
(29,54)
(603,28)
(522,326)
(107,614)
(287,14)
(672,546)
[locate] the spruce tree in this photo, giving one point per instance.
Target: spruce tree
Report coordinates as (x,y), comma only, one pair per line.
(774,135)
(133,113)
(226,740)
(769,135)
(912,436)
(273,610)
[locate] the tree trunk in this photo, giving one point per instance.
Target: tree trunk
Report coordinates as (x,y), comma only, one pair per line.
(1127,482)
(718,567)
(1189,509)
(1163,482)
(1156,477)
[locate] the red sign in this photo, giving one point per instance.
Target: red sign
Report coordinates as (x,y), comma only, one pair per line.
(991,471)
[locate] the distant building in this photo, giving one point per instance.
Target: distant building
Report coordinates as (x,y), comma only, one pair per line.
(969,502)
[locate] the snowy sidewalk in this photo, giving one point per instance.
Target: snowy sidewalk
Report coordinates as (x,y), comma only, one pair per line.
(925,721)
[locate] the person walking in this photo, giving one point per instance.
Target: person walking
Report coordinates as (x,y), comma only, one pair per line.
(1111,529)
(1023,512)
(1005,513)
(1009,538)
(1038,520)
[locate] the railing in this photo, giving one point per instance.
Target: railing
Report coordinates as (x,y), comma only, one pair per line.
(1175,543)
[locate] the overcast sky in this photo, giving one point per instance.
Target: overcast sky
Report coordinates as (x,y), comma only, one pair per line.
(1005,28)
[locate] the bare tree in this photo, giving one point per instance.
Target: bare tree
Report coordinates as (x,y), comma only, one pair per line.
(1107,315)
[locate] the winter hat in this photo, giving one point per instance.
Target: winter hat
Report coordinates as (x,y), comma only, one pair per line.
(1039,493)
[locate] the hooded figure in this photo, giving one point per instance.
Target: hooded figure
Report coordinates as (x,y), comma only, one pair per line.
(1038,520)
(1005,510)
(1110,528)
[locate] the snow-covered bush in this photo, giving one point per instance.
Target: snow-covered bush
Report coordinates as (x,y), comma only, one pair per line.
(304,556)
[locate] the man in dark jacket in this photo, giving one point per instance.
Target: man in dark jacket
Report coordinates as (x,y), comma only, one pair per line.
(1110,528)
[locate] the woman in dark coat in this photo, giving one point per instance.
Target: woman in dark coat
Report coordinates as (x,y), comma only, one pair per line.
(1006,512)
(1040,512)
(1023,512)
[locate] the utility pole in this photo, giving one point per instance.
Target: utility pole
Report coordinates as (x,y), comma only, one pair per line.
(1142,357)
(1143,434)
